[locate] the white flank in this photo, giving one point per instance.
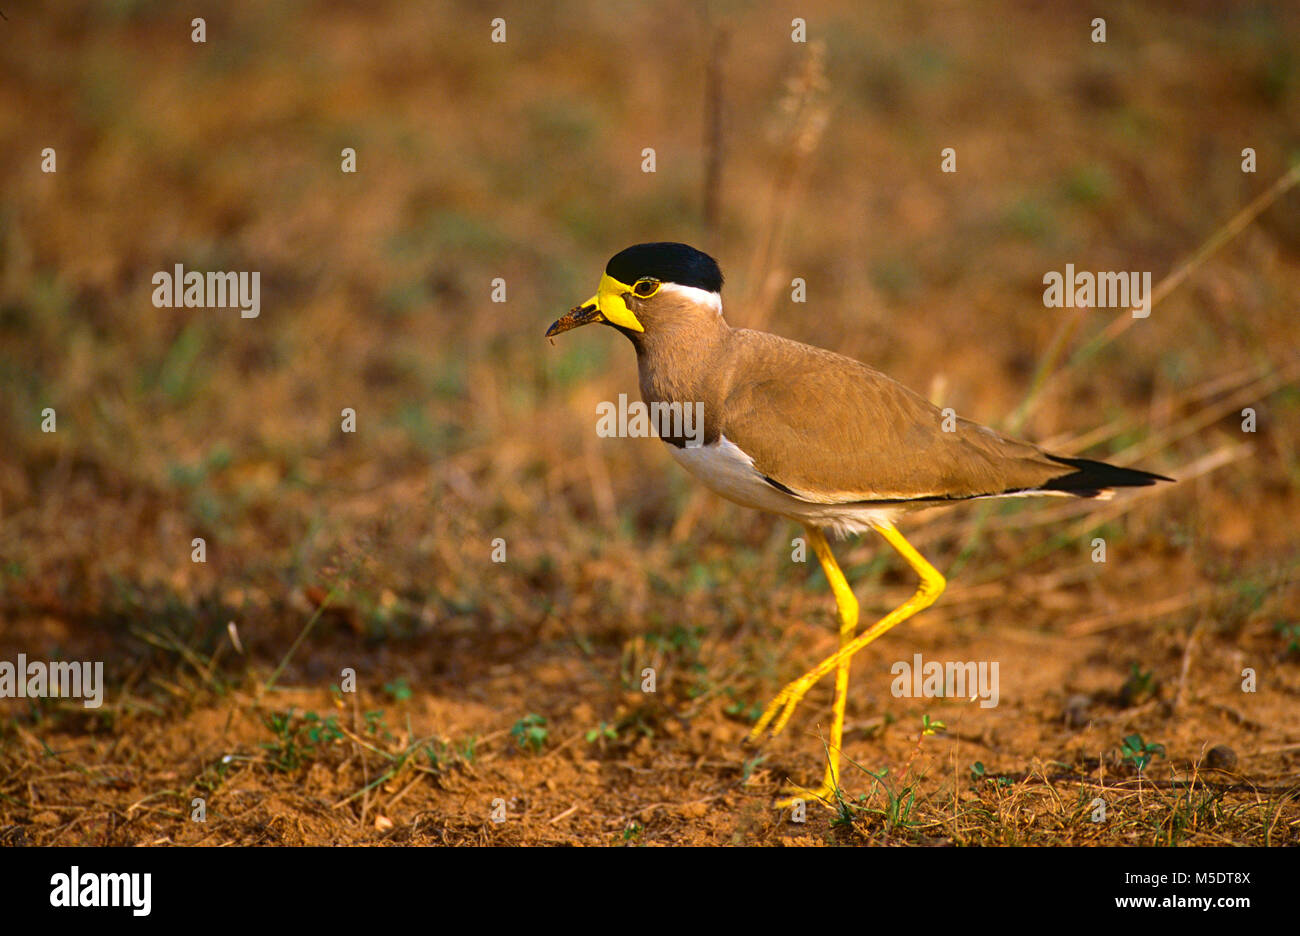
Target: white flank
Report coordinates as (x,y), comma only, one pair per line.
(729,472)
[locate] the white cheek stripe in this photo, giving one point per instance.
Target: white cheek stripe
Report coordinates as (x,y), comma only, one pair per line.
(695,294)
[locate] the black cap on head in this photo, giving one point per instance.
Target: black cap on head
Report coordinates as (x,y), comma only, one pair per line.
(668,263)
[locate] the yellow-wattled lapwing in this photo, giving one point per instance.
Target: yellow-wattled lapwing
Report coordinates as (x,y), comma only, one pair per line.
(814,436)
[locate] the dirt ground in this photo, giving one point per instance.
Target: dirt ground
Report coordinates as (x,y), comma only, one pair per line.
(502,702)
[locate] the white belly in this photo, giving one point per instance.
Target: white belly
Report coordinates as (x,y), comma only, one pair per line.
(726,470)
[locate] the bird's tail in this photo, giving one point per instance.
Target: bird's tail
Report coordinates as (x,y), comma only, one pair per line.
(1093,478)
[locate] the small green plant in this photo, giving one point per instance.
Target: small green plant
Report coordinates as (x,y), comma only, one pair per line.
(1139,753)
(442,756)
(898,805)
(469,750)
(1291,634)
(213,776)
(438,754)
(375,725)
(684,642)
(321,730)
(845,809)
(747,711)
(284,749)
(398,690)
(1192,811)
(979,772)
(603,733)
(530,732)
(929,726)
(297,738)
(1139,687)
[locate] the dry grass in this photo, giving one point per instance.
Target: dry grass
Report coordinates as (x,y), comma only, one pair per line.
(373,551)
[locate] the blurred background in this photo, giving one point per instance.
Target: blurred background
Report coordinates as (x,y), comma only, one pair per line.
(523,160)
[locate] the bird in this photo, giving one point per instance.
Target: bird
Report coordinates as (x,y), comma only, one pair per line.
(815,437)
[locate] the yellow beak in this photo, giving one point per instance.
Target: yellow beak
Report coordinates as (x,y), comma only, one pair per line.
(607,305)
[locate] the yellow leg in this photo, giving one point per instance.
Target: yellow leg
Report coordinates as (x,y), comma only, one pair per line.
(932,585)
(847,606)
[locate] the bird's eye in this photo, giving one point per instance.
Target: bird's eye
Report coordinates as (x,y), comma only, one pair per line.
(645,288)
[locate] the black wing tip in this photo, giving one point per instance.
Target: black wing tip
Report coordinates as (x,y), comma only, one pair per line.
(1090,478)
(778,485)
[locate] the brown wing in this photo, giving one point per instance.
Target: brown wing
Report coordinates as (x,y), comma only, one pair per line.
(831,429)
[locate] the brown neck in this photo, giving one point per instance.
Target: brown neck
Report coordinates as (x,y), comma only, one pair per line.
(677,356)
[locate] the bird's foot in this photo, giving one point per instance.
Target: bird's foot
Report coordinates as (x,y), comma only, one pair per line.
(823,793)
(781,708)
